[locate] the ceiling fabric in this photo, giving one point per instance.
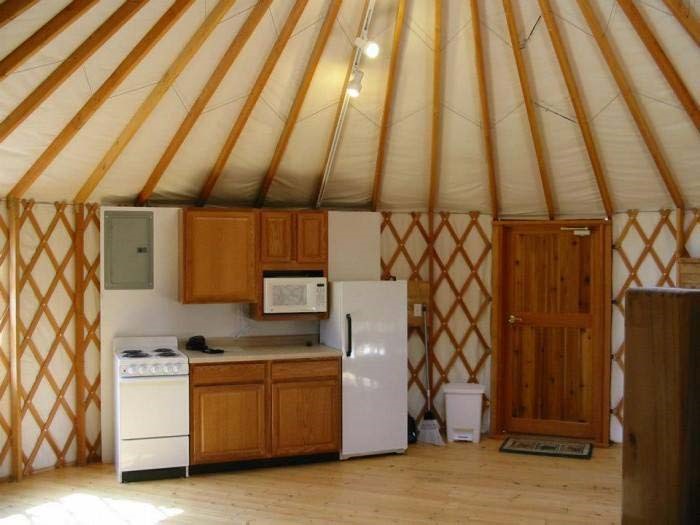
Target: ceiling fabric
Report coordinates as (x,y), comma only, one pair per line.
(628,167)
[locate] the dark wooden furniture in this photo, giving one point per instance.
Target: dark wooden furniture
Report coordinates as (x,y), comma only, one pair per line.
(689,272)
(661,451)
(264,409)
(219,256)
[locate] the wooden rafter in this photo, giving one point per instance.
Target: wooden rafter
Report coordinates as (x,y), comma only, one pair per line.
(436,131)
(153,98)
(215,79)
(10,9)
(685,18)
(260,82)
(388,103)
(84,51)
(485,110)
(530,108)
(630,98)
(44,35)
(302,91)
(662,61)
(577,102)
(150,39)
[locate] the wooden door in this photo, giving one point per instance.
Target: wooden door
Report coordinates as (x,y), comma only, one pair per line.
(228,423)
(553,307)
(276,236)
(219,256)
(312,237)
(305,417)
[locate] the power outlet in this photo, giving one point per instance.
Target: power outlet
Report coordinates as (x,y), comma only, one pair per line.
(417,310)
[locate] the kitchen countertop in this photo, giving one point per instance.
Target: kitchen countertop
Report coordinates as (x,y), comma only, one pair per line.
(240,352)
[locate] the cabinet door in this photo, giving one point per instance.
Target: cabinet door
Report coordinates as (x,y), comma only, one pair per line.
(276,241)
(220,256)
(305,417)
(228,423)
(312,237)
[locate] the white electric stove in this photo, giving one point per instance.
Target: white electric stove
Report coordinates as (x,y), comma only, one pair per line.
(152,408)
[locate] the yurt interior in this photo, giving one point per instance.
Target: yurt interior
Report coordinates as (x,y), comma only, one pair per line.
(349,261)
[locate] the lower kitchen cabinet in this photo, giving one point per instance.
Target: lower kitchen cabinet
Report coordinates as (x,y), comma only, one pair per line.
(228,423)
(264,409)
(305,417)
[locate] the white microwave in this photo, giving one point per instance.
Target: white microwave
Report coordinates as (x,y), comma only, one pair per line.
(284,295)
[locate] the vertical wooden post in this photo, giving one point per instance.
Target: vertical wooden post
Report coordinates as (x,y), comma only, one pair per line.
(15,413)
(680,240)
(78,304)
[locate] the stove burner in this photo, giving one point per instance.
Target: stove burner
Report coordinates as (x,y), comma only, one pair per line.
(134,354)
(165,352)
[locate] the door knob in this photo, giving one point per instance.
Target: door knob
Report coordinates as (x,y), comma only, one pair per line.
(512,319)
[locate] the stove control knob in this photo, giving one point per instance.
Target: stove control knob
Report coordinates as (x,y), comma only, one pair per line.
(142,370)
(170,369)
(131,370)
(155,369)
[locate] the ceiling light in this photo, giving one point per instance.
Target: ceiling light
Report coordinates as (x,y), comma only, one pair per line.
(355,84)
(371,49)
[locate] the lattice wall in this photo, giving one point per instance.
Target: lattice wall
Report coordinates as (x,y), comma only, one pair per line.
(643,255)
(4,349)
(47,346)
(461,297)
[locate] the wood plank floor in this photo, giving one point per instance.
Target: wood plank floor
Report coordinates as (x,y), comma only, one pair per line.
(461,483)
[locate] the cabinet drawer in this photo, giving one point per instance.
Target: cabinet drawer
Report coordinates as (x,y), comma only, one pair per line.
(291,370)
(228,373)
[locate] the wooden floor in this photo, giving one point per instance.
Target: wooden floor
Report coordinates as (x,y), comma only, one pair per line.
(459,483)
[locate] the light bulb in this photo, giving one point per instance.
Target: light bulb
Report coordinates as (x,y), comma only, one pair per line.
(355,84)
(371,49)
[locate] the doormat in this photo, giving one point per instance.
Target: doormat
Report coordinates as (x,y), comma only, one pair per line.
(547,447)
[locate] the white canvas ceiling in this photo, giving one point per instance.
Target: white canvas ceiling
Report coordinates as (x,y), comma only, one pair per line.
(629,169)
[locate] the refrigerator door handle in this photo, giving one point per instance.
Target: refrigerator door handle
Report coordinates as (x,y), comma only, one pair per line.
(348,352)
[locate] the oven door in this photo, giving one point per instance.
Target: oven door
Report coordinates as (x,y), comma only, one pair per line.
(151,407)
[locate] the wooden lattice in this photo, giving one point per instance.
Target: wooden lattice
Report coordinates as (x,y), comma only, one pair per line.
(45,305)
(644,254)
(91,329)
(52,390)
(460,347)
(4,352)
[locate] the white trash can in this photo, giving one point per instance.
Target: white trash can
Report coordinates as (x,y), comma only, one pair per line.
(463,402)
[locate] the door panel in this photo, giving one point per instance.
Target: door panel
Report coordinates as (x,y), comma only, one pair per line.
(551,324)
(312,237)
(276,236)
(228,423)
(305,417)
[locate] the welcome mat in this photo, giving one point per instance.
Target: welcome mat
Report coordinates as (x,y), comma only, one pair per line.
(547,447)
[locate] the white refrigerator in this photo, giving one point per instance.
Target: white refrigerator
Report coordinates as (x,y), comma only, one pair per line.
(368,322)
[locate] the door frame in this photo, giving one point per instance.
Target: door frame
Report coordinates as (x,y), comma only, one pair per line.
(498,314)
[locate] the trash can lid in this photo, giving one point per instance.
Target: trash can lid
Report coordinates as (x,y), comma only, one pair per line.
(463,388)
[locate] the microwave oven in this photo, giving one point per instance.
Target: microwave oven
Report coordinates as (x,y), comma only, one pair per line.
(294,295)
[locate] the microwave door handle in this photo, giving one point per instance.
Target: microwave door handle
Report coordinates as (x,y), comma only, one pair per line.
(348,352)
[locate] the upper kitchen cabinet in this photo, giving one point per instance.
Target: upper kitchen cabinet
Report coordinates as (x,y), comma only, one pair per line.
(312,237)
(219,257)
(276,236)
(291,240)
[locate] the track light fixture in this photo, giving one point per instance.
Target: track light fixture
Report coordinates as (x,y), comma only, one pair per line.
(369,48)
(355,84)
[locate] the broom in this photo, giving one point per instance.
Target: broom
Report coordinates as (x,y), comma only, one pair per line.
(429,428)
